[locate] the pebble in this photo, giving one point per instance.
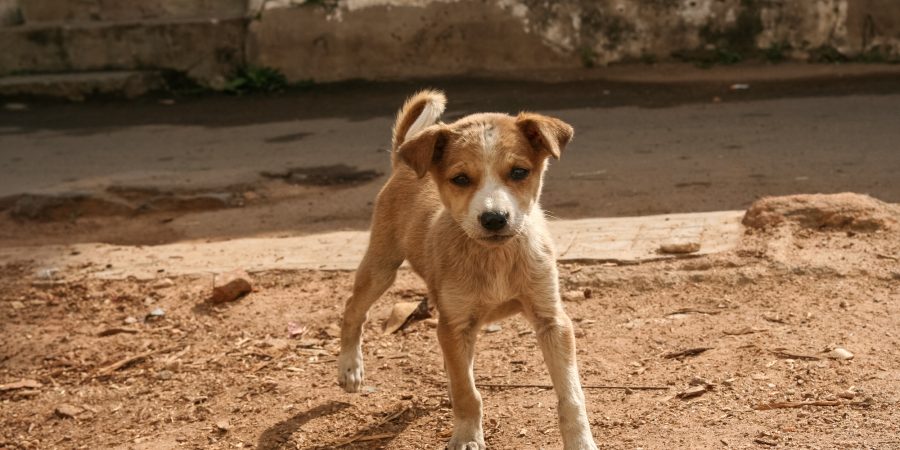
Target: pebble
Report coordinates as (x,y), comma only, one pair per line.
(130,320)
(840,354)
(680,248)
(162,283)
(67,411)
(230,286)
(165,375)
(492,328)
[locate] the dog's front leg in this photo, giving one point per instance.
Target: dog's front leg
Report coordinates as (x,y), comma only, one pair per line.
(374,276)
(458,347)
(557,341)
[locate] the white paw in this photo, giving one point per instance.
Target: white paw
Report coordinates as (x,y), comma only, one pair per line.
(466,438)
(350,371)
(582,441)
(462,445)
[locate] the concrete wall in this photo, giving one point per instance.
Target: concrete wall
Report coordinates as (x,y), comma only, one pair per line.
(328,40)
(406,38)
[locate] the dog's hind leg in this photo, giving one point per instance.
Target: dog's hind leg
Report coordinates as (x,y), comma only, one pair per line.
(557,341)
(375,275)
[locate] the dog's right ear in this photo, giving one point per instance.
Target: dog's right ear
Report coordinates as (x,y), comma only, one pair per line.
(424,149)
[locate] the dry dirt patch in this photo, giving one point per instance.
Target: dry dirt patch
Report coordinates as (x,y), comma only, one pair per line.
(741,347)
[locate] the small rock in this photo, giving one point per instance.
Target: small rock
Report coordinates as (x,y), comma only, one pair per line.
(492,328)
(47,273)
(406,397)
(432,322)
(679,248)
(15,107)
(739,87)
(67,411)
(165,375)
(149,301)
(523,432)
(230,286)
(693,391)
(572,296)
(155,314)
(588,293)
(223,425)
(847,394)
(130,320)
(17,304)
(162,283)
(840,354)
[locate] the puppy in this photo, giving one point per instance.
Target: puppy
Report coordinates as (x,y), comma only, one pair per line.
(461,206)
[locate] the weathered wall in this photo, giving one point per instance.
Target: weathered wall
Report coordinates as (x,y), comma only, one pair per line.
(408,38)
(327,40)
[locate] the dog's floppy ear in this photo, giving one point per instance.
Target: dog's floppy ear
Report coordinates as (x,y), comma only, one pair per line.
(545,133)
(424,149)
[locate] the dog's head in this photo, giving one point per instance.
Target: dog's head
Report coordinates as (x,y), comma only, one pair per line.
(488,168)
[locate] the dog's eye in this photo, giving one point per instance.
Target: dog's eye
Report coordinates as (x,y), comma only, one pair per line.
(461,180)
(518,173)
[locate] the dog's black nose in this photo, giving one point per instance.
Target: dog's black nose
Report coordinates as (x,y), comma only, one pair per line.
(493,220)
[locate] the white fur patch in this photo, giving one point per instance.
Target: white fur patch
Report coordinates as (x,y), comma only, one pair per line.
(430,114)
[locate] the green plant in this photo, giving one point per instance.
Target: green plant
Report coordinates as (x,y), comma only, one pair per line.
(588,57)
(250,79)
(776,53)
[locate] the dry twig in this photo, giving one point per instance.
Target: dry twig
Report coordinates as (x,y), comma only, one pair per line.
(688,352)
(588,386)
(130,360)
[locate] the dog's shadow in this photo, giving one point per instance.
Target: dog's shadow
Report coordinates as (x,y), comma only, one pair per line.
(278,436)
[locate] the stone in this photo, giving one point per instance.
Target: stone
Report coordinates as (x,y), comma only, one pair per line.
(162,283)
(67,411)
(840,353)
(230,286)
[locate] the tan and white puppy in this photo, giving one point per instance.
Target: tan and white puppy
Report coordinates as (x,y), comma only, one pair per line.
(462,207)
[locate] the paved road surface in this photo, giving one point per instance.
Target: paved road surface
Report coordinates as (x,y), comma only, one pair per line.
(640,147)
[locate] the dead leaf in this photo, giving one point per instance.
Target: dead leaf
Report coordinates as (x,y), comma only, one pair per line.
(405,312)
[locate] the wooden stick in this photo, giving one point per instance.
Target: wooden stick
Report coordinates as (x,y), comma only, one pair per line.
(784,405)
(131,359)
(589,386)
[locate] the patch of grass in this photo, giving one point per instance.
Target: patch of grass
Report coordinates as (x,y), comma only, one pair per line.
(255,79)
(776,53)
(588,57)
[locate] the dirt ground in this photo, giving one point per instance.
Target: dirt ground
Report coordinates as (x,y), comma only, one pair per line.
(106,371)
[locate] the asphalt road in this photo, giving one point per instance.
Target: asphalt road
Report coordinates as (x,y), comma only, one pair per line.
(640,147)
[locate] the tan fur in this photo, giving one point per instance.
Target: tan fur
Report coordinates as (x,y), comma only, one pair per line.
(475,275)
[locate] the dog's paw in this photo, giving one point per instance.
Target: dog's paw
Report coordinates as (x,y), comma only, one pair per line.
(466,438)
(350,371)
(470,445)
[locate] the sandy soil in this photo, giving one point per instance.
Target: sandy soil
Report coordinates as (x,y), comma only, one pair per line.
(233,376)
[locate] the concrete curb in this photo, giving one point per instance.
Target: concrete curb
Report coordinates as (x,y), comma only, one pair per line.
(627,240)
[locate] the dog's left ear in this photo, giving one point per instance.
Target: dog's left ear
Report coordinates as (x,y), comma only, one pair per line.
(424,149)
(545,134)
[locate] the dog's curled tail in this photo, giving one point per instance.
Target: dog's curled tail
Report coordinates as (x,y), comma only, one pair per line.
(419,112)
